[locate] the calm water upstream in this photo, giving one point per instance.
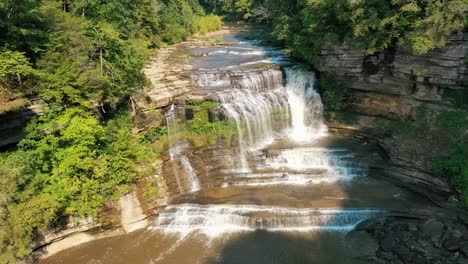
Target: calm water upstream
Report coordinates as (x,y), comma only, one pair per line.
(285,191)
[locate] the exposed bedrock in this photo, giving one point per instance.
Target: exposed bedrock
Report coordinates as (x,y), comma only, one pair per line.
(13,123)
(399,87)
(410,240)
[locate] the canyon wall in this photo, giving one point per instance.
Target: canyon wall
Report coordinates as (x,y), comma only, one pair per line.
(398,99)
(13,123)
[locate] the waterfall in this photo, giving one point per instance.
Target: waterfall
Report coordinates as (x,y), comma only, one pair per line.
(306,106)
(215,220)
(175,119)
(258,104)
(195,184)
(302,166)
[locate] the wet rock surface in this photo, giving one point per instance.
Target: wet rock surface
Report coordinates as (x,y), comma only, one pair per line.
(410,240)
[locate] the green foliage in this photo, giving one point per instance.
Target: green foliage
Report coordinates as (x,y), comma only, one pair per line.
(88,64)
(16,79)
(332,89)
(181,18)
(306,25)
(235,10)
(69,164)
(454,164)
(455,167)
(199,129)
(203,131)
(244,8)
(395,127)
(83,59)
(458,97)
(22,26)
(208,23)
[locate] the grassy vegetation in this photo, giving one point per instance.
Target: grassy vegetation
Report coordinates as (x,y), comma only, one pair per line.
(454,164)
(198,129)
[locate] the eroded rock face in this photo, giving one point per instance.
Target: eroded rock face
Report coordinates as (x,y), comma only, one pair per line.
(397,85)
(400,72)
(12,124)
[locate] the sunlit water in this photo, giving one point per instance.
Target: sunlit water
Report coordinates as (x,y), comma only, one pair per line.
(285,192)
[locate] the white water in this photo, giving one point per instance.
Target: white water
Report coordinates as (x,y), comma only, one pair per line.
(216,220)
(175,118)
(261,106)
(265,107)
(306,106)
(336,162)
(253,103)
(176,154)
(194,183)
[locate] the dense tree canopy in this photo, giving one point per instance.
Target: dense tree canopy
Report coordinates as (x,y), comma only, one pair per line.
(304,25)
(82,59)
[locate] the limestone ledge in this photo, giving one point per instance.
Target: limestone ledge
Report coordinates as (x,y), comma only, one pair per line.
(133,211)
(394,85)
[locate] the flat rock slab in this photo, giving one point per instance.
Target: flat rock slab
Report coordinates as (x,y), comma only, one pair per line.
(132,216)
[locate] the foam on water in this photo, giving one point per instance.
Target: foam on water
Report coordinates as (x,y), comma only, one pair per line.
(306,106)
(190,172)
(216,220)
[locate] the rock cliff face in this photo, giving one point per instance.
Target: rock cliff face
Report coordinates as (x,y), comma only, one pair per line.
(12,124)
(399,86)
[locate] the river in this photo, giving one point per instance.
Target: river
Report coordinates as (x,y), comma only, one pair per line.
(286,191)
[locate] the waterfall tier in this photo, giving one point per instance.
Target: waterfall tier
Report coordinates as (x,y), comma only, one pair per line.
(213,220)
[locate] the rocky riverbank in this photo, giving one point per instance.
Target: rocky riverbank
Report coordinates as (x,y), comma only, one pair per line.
(411,240)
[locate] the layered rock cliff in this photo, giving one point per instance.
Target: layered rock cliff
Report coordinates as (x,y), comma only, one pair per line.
(13,123)
(397,98)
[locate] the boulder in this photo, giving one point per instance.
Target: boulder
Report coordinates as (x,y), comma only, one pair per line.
(432,229)
(464,248)
(388,243)
(451,244)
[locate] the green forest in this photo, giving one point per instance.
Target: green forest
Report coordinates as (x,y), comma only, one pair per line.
(83,58)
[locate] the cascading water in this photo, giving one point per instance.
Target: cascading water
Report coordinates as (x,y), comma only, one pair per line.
(306,106)
(279,195)
(258,105)
(265,107)
(215,220)
(195,184)
(261,105)
(175,118)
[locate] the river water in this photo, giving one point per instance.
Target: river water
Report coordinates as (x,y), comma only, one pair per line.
(285,191)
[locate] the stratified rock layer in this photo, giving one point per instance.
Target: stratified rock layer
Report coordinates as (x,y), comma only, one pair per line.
(397,85)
